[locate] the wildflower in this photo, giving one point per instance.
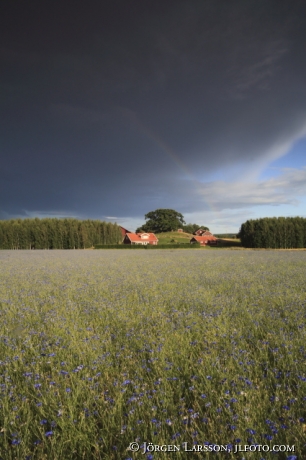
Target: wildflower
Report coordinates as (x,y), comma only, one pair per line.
(63,373)
(48,434)
(16,442)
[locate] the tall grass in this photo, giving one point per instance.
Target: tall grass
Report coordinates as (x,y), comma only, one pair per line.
(102,348)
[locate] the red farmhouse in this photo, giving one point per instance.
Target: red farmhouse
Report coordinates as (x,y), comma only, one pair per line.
(140,238)
(205,240)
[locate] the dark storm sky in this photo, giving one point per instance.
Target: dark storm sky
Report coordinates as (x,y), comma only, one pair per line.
(116,108)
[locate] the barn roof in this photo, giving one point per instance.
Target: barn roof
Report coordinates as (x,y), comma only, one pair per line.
(133,237)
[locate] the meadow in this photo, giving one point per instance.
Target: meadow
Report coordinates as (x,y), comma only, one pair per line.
(100,349)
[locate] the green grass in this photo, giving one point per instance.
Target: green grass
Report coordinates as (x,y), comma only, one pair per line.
(100,349)
(173,237)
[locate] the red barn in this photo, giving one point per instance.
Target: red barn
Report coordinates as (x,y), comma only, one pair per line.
(140,238)
(124,231)
(210,240)
(202,232)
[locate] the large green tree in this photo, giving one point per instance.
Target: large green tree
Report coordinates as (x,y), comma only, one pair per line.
(162,220)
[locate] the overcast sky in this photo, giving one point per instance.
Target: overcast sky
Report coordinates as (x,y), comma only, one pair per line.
(111,109)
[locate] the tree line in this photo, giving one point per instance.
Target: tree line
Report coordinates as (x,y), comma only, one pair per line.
(274,232)
(57,233)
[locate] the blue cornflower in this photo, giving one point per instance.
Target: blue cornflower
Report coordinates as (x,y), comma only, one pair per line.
(48,433)
(43,421)
(68,390)
(15,442)
(63,372)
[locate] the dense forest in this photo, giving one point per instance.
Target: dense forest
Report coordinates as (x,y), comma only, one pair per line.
(274,232)
(56,233)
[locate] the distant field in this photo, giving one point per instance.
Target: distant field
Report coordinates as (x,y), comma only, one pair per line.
(100,349)
(181,237)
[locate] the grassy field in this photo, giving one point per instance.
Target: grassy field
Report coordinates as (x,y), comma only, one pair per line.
(183,349)
(173,237)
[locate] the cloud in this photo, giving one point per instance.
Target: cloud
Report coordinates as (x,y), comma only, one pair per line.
(254,67)
(286,188)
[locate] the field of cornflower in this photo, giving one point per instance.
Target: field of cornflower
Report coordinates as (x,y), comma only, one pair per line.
(100,349)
